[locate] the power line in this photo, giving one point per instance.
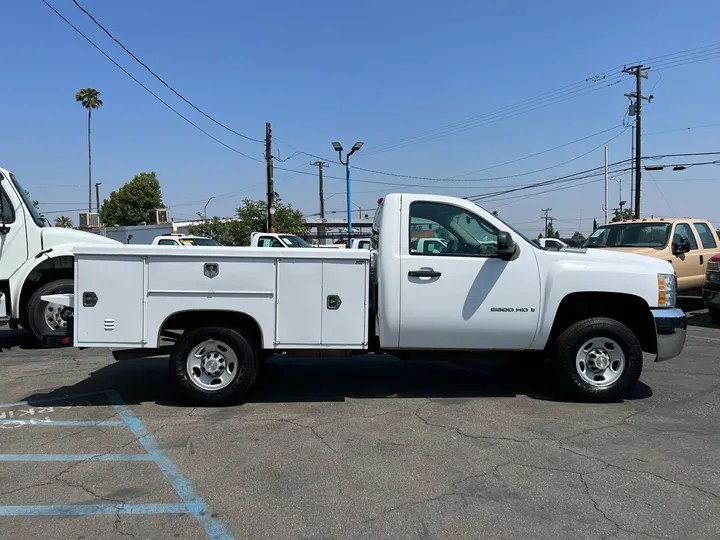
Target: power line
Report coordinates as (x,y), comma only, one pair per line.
(148,89)
(564,93)
(178,94)
(455,178)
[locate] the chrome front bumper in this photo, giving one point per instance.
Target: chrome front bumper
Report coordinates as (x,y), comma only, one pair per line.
(671,330)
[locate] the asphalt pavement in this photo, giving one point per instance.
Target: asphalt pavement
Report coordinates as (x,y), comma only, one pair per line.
(369,447)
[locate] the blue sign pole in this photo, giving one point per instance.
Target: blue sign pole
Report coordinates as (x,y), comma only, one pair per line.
(349,203)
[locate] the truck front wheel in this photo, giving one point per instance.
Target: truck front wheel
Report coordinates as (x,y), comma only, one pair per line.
(46,318)
(214,365)
(597,359)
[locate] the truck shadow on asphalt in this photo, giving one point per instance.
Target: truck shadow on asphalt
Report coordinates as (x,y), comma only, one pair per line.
(285,380)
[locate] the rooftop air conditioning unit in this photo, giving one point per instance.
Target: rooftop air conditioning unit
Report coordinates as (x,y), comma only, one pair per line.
(158,216)
(89,220)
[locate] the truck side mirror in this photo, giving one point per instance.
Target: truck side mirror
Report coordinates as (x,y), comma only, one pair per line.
(506,246)
(683,246)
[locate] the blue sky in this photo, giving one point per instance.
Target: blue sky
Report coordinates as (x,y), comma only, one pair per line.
(372,71)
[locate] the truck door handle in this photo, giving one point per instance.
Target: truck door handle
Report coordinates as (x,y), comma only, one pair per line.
(701,259)
(424,272)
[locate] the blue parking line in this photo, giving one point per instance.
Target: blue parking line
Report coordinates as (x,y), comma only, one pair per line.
(38,422)
(51,399)
(193,502)
(96,509)
(76,457)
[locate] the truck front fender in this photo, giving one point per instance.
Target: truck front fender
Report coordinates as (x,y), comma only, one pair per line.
(30,276)
(596,287)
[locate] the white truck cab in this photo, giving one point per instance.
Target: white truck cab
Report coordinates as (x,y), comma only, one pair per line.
(173,239)
(489,290)
(35,259)
(276,240)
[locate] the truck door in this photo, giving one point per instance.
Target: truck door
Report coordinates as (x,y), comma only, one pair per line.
(463,296)
(688,267)
(13,239)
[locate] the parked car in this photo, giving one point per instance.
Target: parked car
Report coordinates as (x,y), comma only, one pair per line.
(685,242)
(183,240)
(551,243)
(711,288)
(261,239)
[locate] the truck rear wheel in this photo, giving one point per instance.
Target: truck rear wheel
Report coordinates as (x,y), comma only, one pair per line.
(214,365)
(714,315)
(46,318)
(597,359)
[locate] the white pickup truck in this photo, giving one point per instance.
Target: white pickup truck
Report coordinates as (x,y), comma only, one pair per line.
(172,239)
(590,314)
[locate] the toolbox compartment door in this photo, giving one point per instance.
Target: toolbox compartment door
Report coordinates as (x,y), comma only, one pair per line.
(109,301)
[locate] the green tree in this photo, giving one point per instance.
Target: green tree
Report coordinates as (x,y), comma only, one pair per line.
(626,214)
(129,205)
(63,221)
(251,217)
(577,235)
(551,232)
(90,99)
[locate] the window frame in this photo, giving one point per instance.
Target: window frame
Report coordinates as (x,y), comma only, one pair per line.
(480,220)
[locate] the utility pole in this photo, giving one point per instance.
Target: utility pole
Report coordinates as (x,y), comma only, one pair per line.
(547,217)
(638,72)
(320,165)
(270,185)
(632,168)
(97,196)
(606,186)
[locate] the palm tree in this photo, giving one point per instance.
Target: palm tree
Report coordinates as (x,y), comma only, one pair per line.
(90,99)
(63,221)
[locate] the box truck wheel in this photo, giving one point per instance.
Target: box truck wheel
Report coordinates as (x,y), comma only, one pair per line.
(44,317)
(597,359)
(214,365)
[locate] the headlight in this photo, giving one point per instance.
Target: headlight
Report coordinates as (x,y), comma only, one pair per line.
(667,290)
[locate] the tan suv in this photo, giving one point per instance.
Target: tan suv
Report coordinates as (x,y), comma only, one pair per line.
(687,243)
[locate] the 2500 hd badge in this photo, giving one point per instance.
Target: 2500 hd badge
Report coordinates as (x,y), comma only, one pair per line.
(513,310)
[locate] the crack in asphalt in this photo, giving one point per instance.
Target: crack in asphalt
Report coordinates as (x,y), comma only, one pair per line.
(310,428)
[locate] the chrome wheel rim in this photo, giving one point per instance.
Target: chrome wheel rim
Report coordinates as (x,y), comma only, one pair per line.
(600,362)
(54,316)
(212,365)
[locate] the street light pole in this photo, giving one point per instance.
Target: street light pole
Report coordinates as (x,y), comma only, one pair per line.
(338,148)
(206,205)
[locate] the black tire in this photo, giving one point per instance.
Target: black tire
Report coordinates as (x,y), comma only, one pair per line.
(714,315)
(36,308)
(569,344)
(242,380)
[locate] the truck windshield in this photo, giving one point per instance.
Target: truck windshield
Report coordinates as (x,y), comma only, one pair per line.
(37,218)
(640,235)
(291,240)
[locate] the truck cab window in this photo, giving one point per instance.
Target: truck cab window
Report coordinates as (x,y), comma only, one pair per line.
(7,209)
(167,243)
(683,230)
(707,236)
(446,230)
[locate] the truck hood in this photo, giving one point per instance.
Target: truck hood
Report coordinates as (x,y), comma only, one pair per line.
(651,252)
(614,257)
(55,236)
